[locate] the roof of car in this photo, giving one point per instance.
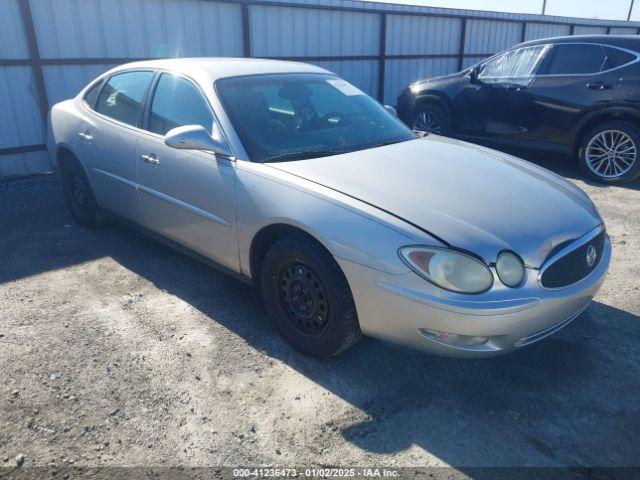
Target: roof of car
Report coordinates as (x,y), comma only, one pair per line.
(222,67)
(631,42)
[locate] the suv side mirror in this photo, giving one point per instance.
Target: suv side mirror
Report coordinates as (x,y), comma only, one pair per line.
(473,74)
(195,137)
(391,110)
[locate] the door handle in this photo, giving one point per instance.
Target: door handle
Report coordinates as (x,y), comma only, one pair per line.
(85,136)
(517,88)
(598,86)
(150,158)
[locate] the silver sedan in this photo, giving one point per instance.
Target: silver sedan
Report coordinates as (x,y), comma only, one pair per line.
(291,178)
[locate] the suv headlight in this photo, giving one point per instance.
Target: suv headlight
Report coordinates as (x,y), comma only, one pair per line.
(448,269)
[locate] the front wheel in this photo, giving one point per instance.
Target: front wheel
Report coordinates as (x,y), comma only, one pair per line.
(430,118)
(609,153)
(308,297)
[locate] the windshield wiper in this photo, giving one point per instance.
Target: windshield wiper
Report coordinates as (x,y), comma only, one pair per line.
(301,155)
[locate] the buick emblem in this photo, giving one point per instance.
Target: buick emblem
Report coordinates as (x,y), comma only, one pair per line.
(591,256)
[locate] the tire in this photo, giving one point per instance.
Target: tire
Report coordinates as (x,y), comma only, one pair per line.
(431,118)
(79,196)
(619,139)
(296,267)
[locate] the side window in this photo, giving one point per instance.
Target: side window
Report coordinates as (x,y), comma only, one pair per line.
(519,63)
(92,94)
(122,96)
(617,58)
(177,102)
(572,59)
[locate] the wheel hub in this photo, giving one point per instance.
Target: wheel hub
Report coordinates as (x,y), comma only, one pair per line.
(610,154)
(304,298)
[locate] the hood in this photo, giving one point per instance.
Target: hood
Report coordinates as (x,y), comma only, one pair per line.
(471,197)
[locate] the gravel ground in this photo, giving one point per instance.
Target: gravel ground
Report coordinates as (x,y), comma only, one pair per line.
(116,351)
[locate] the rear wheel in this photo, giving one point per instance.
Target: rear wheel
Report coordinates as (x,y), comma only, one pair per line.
(79,195)
(609,152)
(430,118)
(308,297)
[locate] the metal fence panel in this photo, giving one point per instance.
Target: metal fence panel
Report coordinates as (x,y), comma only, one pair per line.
(13,43)
(289,32)
(21,122)
(484,36)
(400,73)
(545,30)
(584,30)
(623,31)
(413,35)
(136,28)
(65,81)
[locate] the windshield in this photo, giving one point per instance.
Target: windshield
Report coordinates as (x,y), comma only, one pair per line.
(286,117)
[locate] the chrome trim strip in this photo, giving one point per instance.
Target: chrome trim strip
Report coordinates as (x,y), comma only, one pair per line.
(116,177)
(577,243)
(186,206)
(534,337)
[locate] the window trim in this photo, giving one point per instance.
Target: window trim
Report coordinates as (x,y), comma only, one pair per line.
(601,45)
(105,79)
(99,83)
(146,114)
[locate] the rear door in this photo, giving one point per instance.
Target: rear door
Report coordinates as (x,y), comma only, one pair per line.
(186,196)
(574,79)
(107,140)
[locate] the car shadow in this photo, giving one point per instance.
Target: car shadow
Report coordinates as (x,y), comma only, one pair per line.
(570,400)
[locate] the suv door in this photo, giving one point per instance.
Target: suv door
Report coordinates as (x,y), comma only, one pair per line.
(485,108)
(107,140)
(574,79)
(186,196)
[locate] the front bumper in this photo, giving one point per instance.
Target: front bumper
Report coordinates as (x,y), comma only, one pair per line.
(397,307)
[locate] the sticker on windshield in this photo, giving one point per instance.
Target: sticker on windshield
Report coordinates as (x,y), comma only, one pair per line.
(345,87)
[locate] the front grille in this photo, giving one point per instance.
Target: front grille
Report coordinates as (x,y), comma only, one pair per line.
(573,266)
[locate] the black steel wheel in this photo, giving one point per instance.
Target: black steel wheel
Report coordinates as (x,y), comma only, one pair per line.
(308,297)
(79,195)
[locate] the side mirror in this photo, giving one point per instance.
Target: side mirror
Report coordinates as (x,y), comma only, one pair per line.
(473,75)
(391,110)
(195,137)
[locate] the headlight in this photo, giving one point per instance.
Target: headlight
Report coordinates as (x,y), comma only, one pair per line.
(448,269)
(510,269)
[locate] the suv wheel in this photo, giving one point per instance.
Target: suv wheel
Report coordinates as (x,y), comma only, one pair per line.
(609,152)
(308,297)
(79,195)
(430,118)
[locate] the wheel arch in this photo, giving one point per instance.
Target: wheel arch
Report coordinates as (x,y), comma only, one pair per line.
(433,98)
(596,118)
(267,236)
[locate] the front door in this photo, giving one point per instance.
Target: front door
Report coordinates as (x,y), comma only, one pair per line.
(186,196)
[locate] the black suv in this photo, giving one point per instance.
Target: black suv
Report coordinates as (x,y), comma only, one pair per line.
(578,95)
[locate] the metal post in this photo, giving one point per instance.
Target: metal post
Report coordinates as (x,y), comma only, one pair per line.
(544,7)
(463,36)
(523,32)
(630,11)
(246,30)
(34,57)
(382,63)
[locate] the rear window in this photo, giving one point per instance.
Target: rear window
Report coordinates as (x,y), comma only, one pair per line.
(92,94)
(572,59)
(617,57)
(122,96)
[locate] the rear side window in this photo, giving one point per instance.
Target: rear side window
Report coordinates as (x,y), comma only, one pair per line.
(92,94)
(573,59)
(617,57)
(122,96)
(177,102)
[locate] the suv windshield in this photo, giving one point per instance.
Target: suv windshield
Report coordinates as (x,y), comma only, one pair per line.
(285,117)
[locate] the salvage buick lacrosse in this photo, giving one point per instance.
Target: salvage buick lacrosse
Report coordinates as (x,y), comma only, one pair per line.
(293,179)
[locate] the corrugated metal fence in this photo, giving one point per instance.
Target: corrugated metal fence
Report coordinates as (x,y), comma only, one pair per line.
(49,49)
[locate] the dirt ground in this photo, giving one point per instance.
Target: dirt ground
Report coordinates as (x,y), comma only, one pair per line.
(116,351)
